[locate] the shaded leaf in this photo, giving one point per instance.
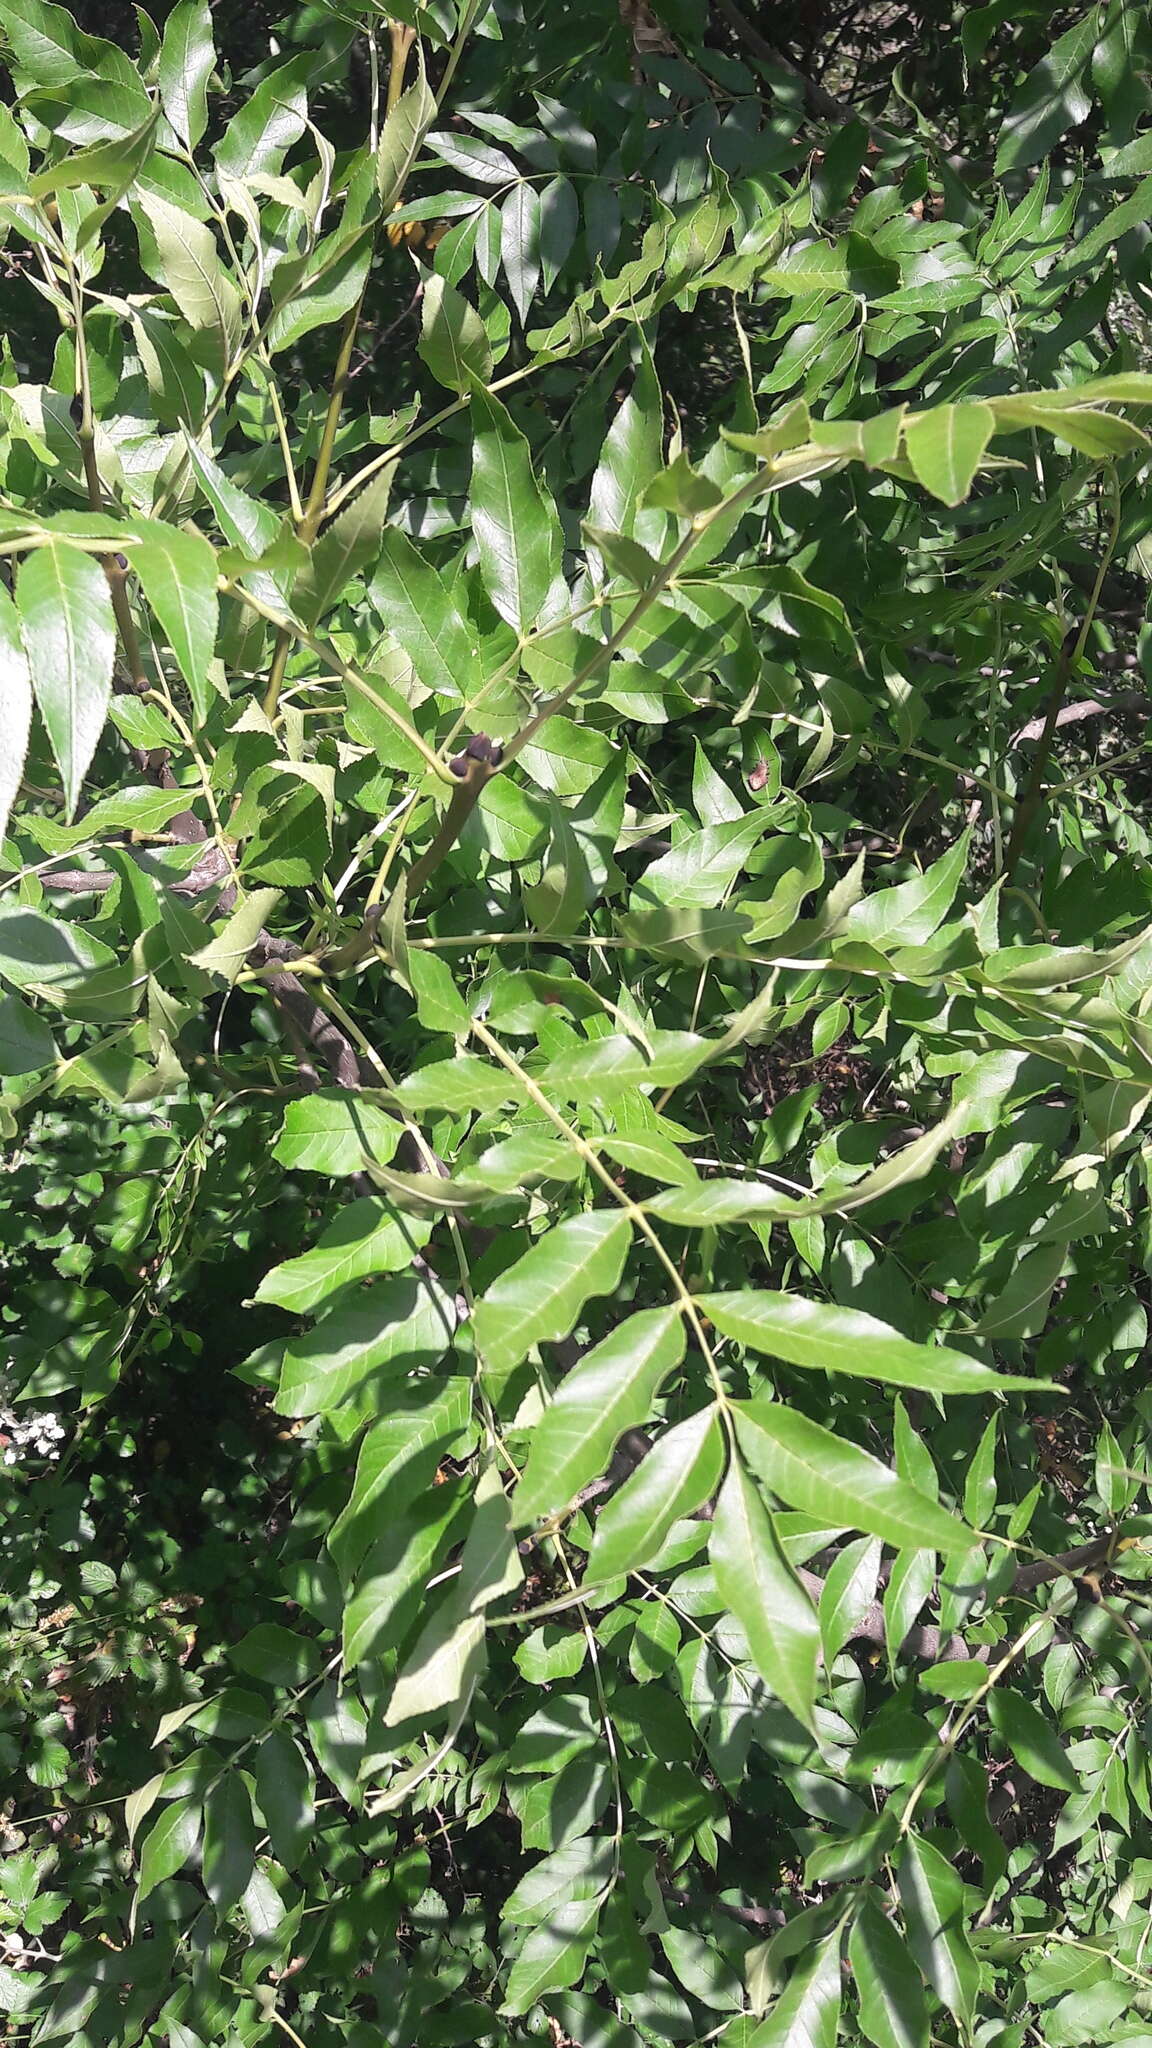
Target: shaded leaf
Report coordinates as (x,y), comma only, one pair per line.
(453,341)
(229,1854)
(1033,1742)
(807,2012)
(893,2013)
(932,1896)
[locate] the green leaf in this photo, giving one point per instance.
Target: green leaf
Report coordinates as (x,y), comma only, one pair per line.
(823,1475)
(932,1896)
(680,1473)
(1051,100)
(849,1592)
(365,1238)
(187,61)
(909,914)
(550,1653)
(609,1066)
(330,1131)
(246,522)
(554,1953)
(177,569)
(474,159)
(611,1390)
(946,446)
(893,2013)
(26,1044)
(269,121)
(520,233)
(46,41)
(400,139)
(980,1478)
(807,2012)
(538,1299)
(330,284)
(15,708)
(703,865)
(514,525)
(1032,1741)
(111,167)
(229,1855)
(145,809)
(188,265)
(759,1586)
(385,1331)
(66,623)
(278,1656)
(909,1585)
(630,457)
(653,1156)
(398,1459)
(423,617)
(284,1793)
(453,341)
(465,1082)
(822,1337)
(262,1907)
(168,1846)
(1098,434)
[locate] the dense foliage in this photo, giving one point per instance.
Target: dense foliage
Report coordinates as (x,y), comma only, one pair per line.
(575,970)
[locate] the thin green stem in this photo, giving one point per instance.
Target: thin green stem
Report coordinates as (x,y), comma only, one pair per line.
(632,1210)
(344,669)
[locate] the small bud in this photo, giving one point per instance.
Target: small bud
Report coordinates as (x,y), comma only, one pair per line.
(121,561)
(495,757)
(76,409)
(479,746)
(459,765)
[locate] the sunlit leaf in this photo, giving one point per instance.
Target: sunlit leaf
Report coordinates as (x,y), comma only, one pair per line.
(611,1390)
(540,1297)
(820,1336)
(65,609)
(823,1474)
(764,1594)
(680,1472)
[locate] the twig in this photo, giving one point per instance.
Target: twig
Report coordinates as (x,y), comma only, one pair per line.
(1092,707)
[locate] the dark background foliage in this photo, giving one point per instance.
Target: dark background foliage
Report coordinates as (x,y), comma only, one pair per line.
(829,889)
